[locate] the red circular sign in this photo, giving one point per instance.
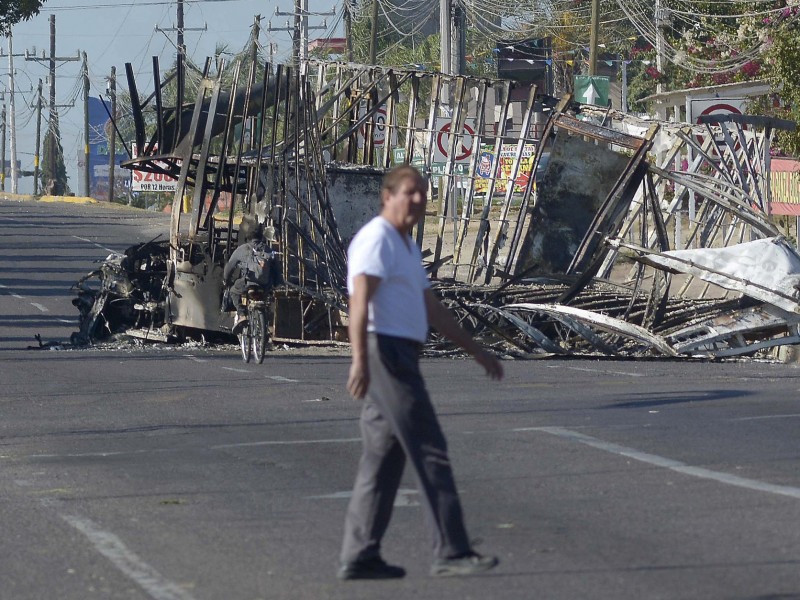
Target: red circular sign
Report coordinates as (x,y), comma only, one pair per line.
(442,141)
(378,127)
(721,109)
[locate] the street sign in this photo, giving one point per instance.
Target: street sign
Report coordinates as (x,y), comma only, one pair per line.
(591,89)
(379,130)
(441,141)
(399,157)
(716,106)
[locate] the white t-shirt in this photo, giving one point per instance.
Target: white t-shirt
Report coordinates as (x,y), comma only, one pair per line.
(398,306)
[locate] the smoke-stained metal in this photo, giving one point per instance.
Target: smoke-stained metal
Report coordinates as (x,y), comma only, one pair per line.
(551,229)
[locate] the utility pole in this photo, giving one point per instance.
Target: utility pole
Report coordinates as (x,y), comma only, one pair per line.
(458,41)
(38,139)
(296,48)
(300,28)
(593,37)
(112,142)
(180,28)
(12,112)
(373,39)
(181,44)
(3,150)
(86,166)
(51,60)
(348,29)
(446,40)
(53,114)
(12,118)
(660,21)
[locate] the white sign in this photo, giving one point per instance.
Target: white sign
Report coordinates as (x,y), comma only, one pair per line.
(379,129)
(441,141)
(716,106)
(145,181)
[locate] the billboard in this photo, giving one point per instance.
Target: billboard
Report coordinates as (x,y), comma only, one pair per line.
(100,128)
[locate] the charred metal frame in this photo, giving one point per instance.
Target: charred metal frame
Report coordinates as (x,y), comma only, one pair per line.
(267,140)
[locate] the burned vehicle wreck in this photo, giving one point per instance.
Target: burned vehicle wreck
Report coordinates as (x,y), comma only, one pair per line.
(554,228)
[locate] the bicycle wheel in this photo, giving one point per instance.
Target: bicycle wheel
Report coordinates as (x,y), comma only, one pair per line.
(245,342)
(258,323)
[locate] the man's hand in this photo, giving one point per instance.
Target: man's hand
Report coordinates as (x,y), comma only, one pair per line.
(441,319)
(489,362)
(358,381)
(364,287)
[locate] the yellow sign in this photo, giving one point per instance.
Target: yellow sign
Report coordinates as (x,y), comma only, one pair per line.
(503,168)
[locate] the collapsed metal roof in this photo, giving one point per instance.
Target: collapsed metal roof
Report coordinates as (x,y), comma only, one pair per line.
(554,227)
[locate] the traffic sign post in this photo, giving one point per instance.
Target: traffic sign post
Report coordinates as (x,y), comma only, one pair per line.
(441,141)
(592,89)
(379,130)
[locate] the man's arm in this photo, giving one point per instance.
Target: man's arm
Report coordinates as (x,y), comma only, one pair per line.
(232,263)
(441,320)
(364,287)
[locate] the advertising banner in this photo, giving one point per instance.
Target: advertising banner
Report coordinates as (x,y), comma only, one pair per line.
(144,181)
(100,128)
(502,168)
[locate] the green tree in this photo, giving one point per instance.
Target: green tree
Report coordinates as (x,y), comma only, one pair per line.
(15,11)
(54,180)
(782,58)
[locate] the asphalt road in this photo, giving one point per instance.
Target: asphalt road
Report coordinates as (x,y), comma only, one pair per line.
(182,473)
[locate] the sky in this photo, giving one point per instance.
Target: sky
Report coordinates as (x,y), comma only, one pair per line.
(114,32)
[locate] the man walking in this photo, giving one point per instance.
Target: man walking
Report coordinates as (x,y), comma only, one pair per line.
(391,306)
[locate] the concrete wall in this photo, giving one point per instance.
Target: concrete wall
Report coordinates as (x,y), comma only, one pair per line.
(354,194)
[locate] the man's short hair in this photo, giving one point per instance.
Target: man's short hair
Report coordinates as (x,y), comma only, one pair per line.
(393,179)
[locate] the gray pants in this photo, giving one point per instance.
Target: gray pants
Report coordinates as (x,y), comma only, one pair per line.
(398,423)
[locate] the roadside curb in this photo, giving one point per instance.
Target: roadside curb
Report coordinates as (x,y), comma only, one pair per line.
(64,199)
(32,198)
(69,199)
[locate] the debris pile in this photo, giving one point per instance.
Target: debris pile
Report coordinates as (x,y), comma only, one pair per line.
(553,227)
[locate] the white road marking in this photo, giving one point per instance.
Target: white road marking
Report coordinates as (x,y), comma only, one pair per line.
(83,239)
(18,297)
(284,379)
(288,443)
(65,321)
(403,497)
(236,370)
(601,371)
(110,453)
(766,417)
(668,463)
(195,359)
(84,454)
(40,307)
(145,576)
